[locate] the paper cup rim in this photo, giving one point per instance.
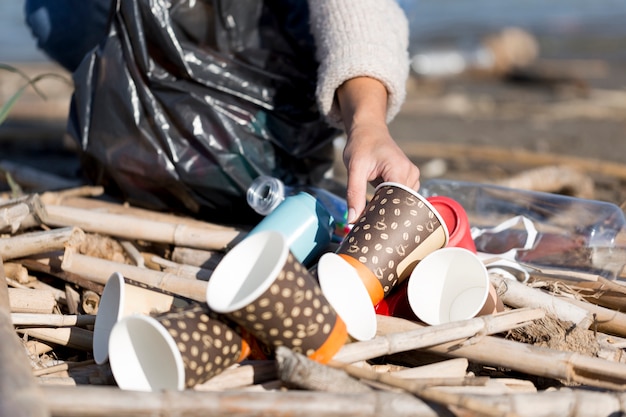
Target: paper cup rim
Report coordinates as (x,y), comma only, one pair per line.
(166,337)
(114,287)
(219,276)
(423,200)
(352,325)
(454,249)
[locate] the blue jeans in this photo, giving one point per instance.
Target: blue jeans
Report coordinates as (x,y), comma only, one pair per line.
(66,30)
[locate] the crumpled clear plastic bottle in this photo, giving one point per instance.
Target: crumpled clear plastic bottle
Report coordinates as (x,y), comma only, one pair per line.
(265,193)
(541,230)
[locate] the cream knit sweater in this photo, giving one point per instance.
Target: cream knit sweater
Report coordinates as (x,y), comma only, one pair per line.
(360,38)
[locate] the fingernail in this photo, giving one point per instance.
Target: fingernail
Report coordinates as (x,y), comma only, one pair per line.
(351,215)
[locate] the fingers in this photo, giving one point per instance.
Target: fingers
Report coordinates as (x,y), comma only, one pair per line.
(357,191)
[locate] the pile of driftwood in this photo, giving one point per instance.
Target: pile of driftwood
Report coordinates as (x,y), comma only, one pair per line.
(557,349)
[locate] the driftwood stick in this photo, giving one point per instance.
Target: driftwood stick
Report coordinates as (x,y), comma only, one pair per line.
(297,370)
(450,368)
(59,197)
(31,301)
(564,403)
(47,265)
(64,366)
(99,270)
(424,392)
(434,335)
(197,257)
(63,198)
(606,320)
(136,228)
(518,295)
(74,337)
(245,374)
(99,401)
(533,360)
(182,270)
(39,242)
(52,320)
(20,396)
(17,272)
(35,348)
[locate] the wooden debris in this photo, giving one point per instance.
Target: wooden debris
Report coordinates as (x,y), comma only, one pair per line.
(560,333)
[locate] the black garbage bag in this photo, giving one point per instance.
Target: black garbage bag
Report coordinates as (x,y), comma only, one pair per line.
(186,102)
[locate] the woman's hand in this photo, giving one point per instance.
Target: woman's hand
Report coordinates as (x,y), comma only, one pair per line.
(370,155)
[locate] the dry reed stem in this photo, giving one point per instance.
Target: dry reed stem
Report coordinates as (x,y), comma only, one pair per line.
(33,243)
(99,271)
(136,228)
(434,335)
(425,392)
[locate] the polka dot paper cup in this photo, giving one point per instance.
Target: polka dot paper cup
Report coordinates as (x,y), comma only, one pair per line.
(123,297)
(397,229)
(175,351)
(261,286)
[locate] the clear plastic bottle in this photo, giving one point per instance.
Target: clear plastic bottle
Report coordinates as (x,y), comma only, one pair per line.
(265,193)
(571,233)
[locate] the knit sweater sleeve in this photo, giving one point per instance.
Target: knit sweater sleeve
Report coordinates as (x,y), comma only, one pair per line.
(359,38)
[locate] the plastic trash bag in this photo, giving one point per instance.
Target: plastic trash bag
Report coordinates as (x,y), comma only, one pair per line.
(186,102)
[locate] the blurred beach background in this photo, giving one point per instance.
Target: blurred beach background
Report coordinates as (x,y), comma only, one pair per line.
(571,101)
(593,28)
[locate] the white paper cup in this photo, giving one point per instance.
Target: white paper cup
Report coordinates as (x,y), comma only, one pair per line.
(120,299)
(172,351)
(260,285)
(344,290)
(449,284)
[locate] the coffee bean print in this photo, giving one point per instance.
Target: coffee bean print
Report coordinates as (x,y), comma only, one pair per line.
(393,225)
(207,345)
(292,312)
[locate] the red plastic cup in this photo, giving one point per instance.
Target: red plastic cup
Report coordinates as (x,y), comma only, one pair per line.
(456,220)
(396,304)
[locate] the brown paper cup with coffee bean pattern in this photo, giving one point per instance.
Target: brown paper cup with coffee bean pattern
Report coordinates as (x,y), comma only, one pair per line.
(397,229)
(260,285)
(175,350)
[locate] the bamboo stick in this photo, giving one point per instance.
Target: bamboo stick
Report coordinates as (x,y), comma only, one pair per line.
(31,301)
(197,257)
(605,319)
(40,242)
(46,265)
(516,294)
(297,370)
(241,375)
(565,402)
(52,320)
(17,272)
(429,336)
(12,216)
(77,200)
(135,228)
(20,396)
(451,368)
(99,271)
(36,347)
(533,360)
(21,213)
(474,405)
(74,337)
(99,401)
(64,366)
(182,270)
(61,196)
